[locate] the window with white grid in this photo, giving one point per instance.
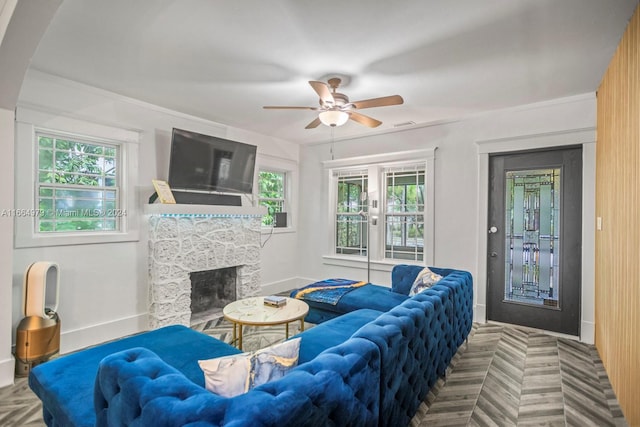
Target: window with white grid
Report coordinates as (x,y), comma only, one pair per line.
(78,185)
(404,212)
(272,191)
(381,209)
(350,213)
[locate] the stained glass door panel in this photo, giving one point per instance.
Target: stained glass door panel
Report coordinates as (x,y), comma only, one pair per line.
(532,202)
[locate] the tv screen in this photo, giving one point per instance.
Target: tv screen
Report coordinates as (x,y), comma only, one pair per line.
(208,163)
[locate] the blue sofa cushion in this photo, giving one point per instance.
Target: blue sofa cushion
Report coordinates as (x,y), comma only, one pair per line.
(333,332)
(368,296)
(65,385)
(403,276)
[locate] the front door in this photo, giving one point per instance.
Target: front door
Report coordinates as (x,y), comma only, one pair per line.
(535,238)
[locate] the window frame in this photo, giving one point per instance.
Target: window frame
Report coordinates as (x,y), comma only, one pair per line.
(351,218)
(266,162)
(375,165)
(418,169)
(107,213)
(283,200)
(31,122)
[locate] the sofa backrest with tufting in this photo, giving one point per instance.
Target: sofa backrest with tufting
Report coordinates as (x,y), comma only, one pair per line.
(153,379)
(135,387)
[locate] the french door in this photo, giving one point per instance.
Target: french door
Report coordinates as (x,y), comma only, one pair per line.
(535,239)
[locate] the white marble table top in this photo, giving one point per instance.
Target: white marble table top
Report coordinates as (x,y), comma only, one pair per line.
(253,311)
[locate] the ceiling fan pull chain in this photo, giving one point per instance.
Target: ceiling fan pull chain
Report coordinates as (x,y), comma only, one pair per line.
(332,142)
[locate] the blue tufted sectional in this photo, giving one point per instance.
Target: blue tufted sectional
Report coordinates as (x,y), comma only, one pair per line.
(363,367)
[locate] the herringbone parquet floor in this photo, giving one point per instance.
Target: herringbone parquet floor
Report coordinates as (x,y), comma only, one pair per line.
(504,376)
(510,376)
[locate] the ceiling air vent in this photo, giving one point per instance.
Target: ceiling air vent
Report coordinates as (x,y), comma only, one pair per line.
(399,125)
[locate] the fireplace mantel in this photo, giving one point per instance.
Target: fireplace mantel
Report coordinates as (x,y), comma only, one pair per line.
(167,209)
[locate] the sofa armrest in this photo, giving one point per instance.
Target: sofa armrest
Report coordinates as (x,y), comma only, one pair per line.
(461,284)
(408,337)
(136,387)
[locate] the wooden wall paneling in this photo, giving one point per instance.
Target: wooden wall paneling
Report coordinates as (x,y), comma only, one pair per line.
(618,204)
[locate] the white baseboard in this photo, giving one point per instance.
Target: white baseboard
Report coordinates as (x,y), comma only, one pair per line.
(7,371)
(95,334)
(284,285)
(587,332)
(480,313)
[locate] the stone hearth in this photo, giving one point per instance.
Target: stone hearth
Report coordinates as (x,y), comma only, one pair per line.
(181,243)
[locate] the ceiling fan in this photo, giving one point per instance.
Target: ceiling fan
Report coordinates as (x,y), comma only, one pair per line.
(335,108)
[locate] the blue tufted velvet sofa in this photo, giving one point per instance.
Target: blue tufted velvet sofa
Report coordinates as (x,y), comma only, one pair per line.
(417,336)
(366,367)
(383,298)
(153,379)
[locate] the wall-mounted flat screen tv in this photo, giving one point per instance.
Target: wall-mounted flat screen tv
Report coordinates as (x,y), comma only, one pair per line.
(208,163)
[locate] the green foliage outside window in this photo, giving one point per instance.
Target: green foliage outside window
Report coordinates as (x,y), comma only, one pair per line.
(404,215)
(77,186)
(271,194)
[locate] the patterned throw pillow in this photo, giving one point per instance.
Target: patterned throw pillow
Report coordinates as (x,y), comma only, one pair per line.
(426,278)
(233,375)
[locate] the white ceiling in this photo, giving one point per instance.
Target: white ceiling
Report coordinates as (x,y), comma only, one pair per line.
(224,60)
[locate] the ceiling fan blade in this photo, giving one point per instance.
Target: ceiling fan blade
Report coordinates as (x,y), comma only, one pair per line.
(313,124)
(322,89)
(284,107)
(364,120)
(378,102)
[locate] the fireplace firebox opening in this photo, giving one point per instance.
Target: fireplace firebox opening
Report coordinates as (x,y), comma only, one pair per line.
(211,290)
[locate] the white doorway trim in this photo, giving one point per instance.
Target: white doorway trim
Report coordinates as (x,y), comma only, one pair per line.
(585,137)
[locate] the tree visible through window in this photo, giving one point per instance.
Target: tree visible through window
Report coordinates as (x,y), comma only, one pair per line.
(404,215)
(351,223)
(78,185)
(272,194)
(382,208)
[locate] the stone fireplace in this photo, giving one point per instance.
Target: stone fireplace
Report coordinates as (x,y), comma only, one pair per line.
(185,240)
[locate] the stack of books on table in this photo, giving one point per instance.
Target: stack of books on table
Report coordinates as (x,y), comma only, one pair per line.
(275,301)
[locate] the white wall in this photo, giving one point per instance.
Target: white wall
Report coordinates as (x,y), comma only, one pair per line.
(21,27)
(103,289)
(457,192)
(6,246)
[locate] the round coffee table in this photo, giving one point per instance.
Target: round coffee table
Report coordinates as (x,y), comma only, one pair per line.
(252,311)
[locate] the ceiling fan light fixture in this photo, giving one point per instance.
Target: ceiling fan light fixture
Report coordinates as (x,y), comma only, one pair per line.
(333,117)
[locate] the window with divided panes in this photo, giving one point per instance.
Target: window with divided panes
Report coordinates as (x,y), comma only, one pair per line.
(272,186)
(78,185)
(351,210)
(404,213)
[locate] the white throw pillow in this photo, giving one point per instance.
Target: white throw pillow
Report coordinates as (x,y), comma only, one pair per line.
(230,376)
(426,278)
